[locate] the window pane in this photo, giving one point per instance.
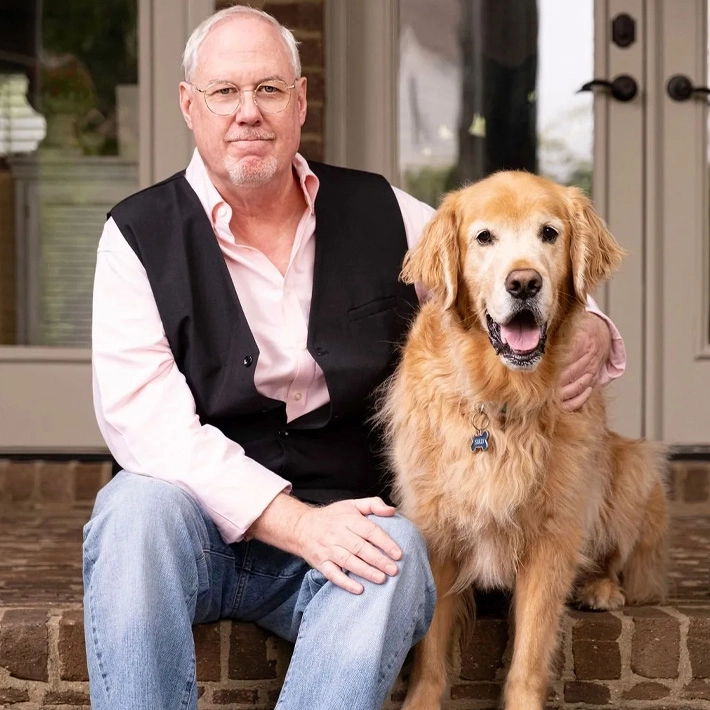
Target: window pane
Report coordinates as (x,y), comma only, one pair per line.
(486,85)
(68,153)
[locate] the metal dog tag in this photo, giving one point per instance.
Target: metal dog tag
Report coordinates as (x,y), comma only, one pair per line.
(480,441)
(480,424)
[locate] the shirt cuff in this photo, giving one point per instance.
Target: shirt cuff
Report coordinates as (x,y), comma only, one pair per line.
(615,365)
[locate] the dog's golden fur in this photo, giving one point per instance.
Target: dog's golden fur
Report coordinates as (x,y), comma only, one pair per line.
(558,506)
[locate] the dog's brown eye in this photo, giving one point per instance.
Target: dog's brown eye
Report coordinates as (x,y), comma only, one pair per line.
(549,234)
(484,237)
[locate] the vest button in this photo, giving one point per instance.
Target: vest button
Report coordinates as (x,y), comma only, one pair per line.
(321,351)
(283,433)
(248,360)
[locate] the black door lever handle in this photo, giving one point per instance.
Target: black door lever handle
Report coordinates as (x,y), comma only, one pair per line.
(680,88)
(623,87)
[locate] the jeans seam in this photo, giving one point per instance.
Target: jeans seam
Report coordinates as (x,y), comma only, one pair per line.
(385,668)
(244,573)
(191,684)
(94,640)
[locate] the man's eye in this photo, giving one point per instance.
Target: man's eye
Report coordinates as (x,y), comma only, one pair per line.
(269,89)
(223,90)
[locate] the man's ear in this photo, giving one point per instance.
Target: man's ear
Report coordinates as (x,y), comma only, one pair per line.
(594,252)
(301,91)
(434,260)
(186,97)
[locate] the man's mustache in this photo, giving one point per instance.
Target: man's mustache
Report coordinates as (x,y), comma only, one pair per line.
(250,136)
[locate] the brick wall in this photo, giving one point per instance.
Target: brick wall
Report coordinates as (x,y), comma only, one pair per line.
(7,259)
(305,20)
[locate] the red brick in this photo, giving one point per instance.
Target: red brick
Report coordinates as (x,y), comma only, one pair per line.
(311,148)
(66,697)
(24,646)
(231,696)
(13,695)
(55,482)
(699,645)
(596,626)
(314,120)
(304,16)
(72,648)
(207,651)
(20,481)
(647,691)
(311,51)
(483,656)
(695,487)
(591,693)
(88,479)
(477,691)
(655,647)
(596,660)
(247,653)
(697,690)
(315,86)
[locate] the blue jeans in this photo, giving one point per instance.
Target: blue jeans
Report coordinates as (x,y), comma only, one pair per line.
(154,564)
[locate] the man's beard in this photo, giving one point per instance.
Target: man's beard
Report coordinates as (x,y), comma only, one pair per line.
(251,172)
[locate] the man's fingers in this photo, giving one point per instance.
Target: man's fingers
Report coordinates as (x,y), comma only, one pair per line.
(569,405)
(374,534)
(334,574)
(370,554)
(374,506)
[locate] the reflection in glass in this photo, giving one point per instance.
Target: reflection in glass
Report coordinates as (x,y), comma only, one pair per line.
(486,85)
(68,152)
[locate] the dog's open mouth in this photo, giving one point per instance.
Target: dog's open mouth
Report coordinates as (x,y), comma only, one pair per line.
(520,341)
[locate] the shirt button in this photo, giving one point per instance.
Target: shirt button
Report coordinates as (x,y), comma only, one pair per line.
(222,211)
(297,396)
(248,360)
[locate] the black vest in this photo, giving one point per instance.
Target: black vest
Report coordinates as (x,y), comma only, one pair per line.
(359,314)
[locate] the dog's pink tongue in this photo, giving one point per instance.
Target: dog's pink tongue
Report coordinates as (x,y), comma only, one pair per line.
(522,337)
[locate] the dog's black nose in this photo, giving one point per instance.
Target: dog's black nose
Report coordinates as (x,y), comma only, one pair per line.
(523,283)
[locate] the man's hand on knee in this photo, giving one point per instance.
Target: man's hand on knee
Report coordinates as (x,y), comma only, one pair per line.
(334,539)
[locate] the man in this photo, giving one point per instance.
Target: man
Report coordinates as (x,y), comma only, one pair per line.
(234,352)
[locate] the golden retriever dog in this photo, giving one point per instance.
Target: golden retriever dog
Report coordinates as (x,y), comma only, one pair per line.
(509,490)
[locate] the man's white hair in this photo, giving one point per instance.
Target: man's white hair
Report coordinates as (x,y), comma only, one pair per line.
(189,57)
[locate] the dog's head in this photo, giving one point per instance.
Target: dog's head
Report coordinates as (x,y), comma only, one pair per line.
(511,254)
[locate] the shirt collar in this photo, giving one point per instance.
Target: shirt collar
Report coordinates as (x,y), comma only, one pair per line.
(198,179)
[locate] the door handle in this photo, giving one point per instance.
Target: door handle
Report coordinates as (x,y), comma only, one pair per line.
(680,88)
(622,87)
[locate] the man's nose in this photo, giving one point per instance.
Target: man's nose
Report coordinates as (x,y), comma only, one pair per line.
(248,109)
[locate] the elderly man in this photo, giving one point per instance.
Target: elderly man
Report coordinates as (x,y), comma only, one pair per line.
(244,311)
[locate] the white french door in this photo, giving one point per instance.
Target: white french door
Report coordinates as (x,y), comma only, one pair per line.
(646,167)
(63,189)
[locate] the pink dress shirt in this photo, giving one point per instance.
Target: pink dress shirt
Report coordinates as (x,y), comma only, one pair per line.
(144,408)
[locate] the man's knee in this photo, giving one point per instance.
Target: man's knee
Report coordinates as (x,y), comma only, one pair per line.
(138,511)
(414,565)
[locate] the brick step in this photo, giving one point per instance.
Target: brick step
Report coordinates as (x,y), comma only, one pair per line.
(649,657)
(645,657)
(65,483)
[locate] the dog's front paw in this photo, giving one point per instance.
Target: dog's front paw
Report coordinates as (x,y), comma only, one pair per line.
(601,594)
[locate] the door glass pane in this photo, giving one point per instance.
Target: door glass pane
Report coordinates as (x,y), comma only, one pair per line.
(68,153)
(491,84)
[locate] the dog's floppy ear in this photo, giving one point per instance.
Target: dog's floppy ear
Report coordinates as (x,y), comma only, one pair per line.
(434,260)
(594,251)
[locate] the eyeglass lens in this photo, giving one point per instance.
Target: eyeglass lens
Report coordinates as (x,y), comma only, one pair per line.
(224,98)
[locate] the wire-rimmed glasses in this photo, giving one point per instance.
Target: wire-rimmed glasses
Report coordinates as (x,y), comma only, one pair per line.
(224,98)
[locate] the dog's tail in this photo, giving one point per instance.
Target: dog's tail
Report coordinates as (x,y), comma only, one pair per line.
(640,470)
